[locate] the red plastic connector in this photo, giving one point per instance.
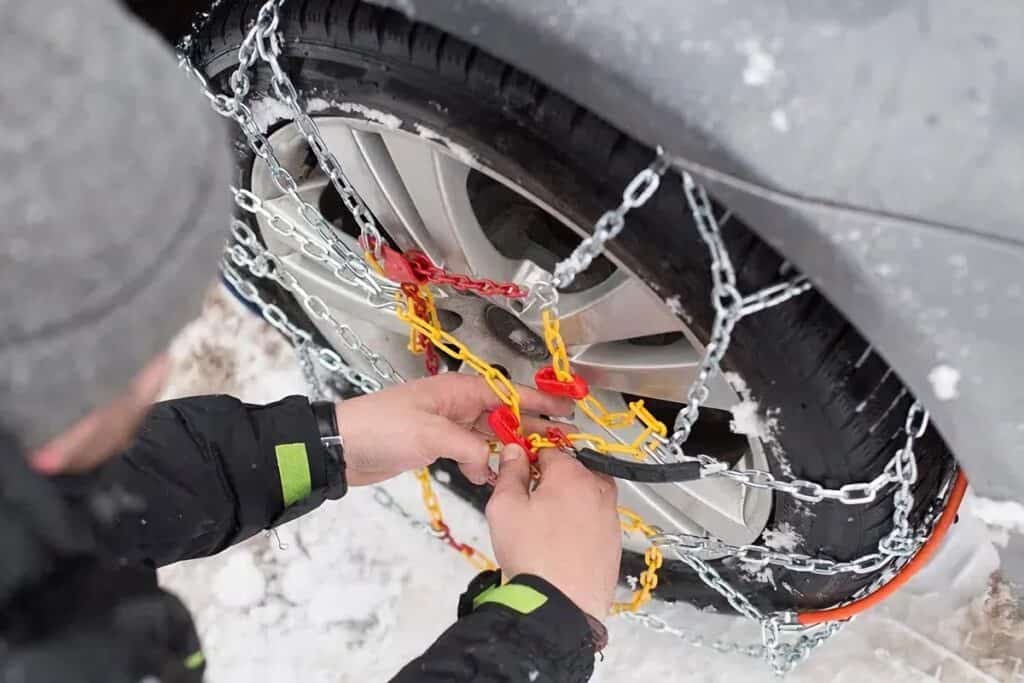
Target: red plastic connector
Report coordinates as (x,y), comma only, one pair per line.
(397,267)
(506,427)
(576,388)
(559,438)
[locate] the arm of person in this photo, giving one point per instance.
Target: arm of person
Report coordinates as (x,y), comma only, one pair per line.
(560,542)
(207,472)
(204,473)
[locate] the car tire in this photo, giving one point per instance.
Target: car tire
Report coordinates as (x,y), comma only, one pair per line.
(836,408)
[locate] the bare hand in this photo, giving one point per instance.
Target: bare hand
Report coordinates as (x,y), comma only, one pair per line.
(565,531)
(412,425)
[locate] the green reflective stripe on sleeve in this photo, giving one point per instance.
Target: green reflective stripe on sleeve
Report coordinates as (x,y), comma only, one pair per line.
(293,466)
(483,594)
(195,660)
(522,599)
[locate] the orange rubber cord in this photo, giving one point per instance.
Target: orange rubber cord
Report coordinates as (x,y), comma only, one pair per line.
(916,563)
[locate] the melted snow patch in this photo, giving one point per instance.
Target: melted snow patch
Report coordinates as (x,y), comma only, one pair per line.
(944,381)
(760,67)
(763,575)
(780,120)
(268,111)
(746,415)
(460,152)
(675,304)
(783,538)
(746,420)
(1004,514)
(318,104)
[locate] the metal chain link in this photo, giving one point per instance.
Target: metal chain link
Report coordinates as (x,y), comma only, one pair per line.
(263,42)
(352,269)
(249,253)
(727,302)
(639,190)
(693,638)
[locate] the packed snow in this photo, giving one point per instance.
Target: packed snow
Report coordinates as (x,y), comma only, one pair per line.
(352,592)
(316,105)
(944,380)
(760,66)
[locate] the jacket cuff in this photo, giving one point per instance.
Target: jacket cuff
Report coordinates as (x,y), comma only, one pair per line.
(559,618)
(306,472)
(542,606)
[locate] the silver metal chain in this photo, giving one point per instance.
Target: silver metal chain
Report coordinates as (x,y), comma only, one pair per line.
(276,317)
(637,193)
(262,43)
(247,252)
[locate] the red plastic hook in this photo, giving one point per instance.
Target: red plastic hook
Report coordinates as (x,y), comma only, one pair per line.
(576,388)
(506,427)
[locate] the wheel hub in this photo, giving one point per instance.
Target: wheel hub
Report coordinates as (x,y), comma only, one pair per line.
(512,332)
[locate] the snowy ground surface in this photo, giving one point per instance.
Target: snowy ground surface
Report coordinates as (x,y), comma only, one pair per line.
(352,592)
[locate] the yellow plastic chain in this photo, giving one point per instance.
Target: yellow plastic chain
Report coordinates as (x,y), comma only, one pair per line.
(430,500)
(446,343)
(556,346)
(593,408)
(631,522)
(507,394)
(437,523)
(416,346)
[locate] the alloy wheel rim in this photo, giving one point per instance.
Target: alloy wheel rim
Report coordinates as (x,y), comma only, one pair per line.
(431,195)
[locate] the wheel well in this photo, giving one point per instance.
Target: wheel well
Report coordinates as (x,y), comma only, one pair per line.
(171,20)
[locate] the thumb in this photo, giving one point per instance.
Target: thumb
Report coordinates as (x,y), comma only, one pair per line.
(513,474)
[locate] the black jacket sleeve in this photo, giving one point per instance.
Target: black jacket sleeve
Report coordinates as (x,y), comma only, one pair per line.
(204,473)
(496,641)
(68,615)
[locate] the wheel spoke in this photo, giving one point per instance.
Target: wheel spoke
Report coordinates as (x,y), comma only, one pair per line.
(345,303)
(368,166)
(286,207)
(619,308)
(436,183)
(716,507)
(663,372)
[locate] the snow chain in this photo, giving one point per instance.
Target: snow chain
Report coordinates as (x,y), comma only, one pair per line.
(401,283)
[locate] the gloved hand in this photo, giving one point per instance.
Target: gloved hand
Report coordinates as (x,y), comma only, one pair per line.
(565,531)
(411,425)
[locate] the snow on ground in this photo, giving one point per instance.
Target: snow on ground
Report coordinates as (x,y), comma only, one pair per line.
(352,592)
